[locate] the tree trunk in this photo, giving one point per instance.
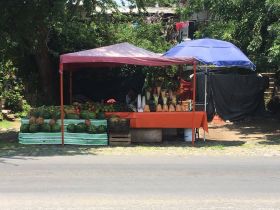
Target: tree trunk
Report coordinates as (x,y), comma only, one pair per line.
(46,73)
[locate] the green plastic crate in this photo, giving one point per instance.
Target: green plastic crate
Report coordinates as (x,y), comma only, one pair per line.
(69,138)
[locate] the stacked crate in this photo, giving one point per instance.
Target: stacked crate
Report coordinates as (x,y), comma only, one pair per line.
(69,138)
(119,132)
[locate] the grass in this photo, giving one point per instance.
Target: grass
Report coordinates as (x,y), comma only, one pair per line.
(6,124)
(218,147)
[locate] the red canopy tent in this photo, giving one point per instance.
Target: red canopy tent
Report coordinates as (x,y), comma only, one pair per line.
(111,56)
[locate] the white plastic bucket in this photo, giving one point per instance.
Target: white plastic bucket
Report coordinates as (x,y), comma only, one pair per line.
(188,134)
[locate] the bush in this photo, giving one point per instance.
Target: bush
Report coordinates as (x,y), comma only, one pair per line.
(11,88)
(13,101)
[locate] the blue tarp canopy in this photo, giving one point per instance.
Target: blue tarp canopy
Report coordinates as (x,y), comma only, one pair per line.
(212,52)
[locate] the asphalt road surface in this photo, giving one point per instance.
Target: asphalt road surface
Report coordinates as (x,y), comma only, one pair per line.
(139,182)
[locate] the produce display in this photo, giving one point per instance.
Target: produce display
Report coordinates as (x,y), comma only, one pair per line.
(160,100)
(91,110)
(86,128)
(36,125)
(118,125)
(46,112)
(44,118)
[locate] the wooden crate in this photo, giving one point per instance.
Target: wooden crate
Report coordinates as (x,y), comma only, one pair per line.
(119,139)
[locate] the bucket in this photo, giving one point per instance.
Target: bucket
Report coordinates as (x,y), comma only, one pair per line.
(188,134)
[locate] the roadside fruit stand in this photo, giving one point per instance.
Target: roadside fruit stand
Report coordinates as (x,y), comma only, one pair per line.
(86,124)
(127,54)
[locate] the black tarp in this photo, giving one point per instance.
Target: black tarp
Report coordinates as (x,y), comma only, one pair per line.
(232,96)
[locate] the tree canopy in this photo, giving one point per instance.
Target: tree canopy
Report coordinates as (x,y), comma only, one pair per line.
(251,25)
(33,33)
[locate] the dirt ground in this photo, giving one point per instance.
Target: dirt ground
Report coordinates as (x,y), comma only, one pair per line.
(255,130)
(254,137)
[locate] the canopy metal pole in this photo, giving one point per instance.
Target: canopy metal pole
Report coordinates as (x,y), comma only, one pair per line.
(70,87)
(193,108)
(205,96)
(61,104)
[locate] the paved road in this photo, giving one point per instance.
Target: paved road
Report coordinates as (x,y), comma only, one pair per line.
(139,182)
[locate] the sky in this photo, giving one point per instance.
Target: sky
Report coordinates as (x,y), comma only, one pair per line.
(119,2)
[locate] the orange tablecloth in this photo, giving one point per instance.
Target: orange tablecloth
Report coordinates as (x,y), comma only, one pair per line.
(164,119)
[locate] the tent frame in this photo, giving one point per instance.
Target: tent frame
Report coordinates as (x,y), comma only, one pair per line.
(177,62)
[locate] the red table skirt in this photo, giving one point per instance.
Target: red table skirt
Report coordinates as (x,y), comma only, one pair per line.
(164,119)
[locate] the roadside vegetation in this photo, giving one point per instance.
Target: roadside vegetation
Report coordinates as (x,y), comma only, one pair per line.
(42,30)
(34,34)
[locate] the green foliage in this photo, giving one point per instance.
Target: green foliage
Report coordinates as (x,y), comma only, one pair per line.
(141,34)
(166,77)
(251,25)
(6,124)
(274,50)
(151,37)
(161,3)
(36,32)
(25,109)
(11,88)
(13,100)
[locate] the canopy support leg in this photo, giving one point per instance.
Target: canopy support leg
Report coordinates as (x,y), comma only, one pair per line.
(61,106)
(193,108)
(205,97)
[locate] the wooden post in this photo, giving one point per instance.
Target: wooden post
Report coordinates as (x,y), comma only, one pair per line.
(193,108)
(61,104)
